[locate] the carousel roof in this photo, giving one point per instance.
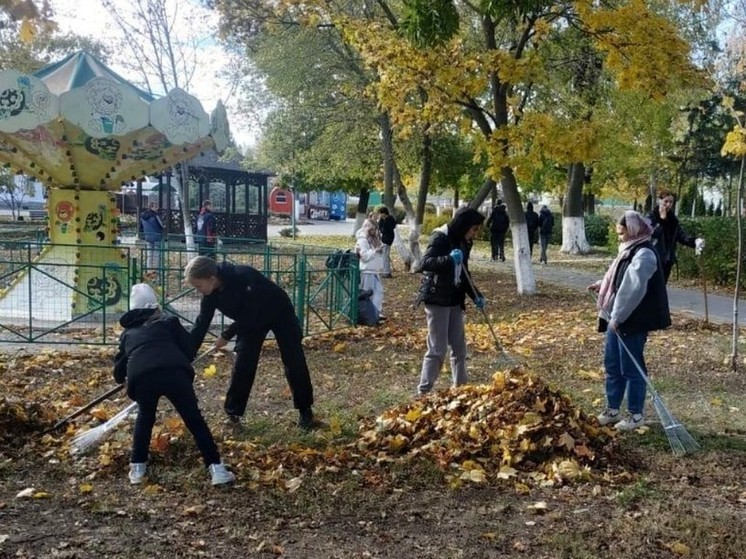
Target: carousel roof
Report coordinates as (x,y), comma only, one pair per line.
(77,69)
(76,123)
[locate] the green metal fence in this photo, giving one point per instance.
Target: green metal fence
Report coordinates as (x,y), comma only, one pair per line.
(43,300)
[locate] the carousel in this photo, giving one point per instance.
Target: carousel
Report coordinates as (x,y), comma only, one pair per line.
(83,131)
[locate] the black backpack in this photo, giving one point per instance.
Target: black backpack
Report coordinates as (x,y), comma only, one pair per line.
(341,259)
(367,313)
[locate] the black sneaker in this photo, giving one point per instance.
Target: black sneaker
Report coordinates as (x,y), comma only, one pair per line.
(234,419)
(307,421)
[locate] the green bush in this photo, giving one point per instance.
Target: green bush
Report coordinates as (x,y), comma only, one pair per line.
(434,221)
(597,229)
(720,255)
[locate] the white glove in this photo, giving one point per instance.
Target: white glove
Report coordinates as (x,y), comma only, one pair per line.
(699,246)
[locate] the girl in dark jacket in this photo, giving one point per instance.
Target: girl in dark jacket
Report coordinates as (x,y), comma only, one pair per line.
(444,290)
(154,357)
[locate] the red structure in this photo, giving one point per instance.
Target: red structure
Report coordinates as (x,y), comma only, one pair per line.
(280,201)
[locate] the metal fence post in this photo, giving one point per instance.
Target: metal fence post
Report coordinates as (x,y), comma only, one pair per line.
(300,297)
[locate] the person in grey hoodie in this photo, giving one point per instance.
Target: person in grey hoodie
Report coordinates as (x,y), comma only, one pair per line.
(632,301)
(443,290)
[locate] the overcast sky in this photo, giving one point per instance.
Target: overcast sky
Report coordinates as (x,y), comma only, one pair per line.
(88,17)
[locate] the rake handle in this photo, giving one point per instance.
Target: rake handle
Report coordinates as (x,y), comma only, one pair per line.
(483,311)
(105,396)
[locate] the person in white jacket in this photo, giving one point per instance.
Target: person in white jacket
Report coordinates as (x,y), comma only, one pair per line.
(369,249)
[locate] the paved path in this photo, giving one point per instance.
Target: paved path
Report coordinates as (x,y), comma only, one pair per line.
(690,301)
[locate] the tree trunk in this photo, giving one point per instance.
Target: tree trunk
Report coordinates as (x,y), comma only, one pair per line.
(739,266)
(184,203)
(387,152)
(362,209)
(524,271)
(573,222)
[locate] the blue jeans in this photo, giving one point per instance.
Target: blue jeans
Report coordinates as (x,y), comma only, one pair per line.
(622,374)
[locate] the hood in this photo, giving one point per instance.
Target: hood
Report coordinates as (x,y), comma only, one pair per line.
(529,207)
(465,219)
(136,317)
(443,229)
(544,211)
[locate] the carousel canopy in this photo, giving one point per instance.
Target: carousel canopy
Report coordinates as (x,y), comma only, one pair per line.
(76,123)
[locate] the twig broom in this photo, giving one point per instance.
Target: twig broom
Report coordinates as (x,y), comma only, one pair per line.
(83,442)
(678,437)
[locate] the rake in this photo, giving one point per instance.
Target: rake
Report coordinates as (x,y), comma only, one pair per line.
(83,442)
(678,437)
(504,356)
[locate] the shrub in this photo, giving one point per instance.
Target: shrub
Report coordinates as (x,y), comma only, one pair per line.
(720,255)
(597,229)
(434,221)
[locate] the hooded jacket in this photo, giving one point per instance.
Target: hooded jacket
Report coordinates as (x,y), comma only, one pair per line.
(499,222)
(371,260)
(532,221)
(151,342)
(546,221)
(248,298)
(152,226)
(438,284)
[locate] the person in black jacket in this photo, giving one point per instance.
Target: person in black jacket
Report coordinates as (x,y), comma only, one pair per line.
(444,289)
(546,224)
(667,232)
(256,305)
(532,224)
(206,235)
(632,301)
(498,223)
(154,357)
(386,225)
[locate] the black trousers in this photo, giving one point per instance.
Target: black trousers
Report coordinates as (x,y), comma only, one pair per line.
(177,387)
(289,337)
(498,245)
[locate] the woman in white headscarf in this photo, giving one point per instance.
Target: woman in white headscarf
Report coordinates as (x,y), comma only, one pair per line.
(632,301)
(369,249)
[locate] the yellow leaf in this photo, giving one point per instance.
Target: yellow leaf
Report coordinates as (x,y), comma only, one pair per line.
(413,414)
(679,548)
(85,488)
(27,33)
(335,426)
(152,489)
(506,472)
(210,371)
(104,459)
(339,347)
(41,495)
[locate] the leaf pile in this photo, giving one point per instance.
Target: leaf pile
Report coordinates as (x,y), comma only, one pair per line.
(514,428)
(20,418)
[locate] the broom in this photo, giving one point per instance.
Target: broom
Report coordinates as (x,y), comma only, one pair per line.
(678,437)
(83,442)
(508,360)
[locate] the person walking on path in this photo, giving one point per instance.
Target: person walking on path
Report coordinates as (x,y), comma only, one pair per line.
(206,236)
(443,290)
(546,223)
(369,249)
(667,232)
(386,225)
(152,229)
(532,224)
(498,224)
(632,301)
(154,358)
(256,305)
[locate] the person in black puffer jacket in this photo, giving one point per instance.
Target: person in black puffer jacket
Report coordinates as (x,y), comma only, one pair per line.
(257,305)
(154,358)
(444,289)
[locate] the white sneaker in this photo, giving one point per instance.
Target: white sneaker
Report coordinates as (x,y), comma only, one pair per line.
(609,415)
(631,423)
(137,472)
(220,474)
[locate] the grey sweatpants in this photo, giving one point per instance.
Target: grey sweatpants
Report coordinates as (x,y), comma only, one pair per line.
(445,327)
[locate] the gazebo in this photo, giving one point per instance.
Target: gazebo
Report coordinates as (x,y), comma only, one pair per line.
(239,197)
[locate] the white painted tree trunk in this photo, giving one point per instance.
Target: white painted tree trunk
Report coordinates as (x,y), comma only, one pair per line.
(573,236)
(524,270)
(409,252)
